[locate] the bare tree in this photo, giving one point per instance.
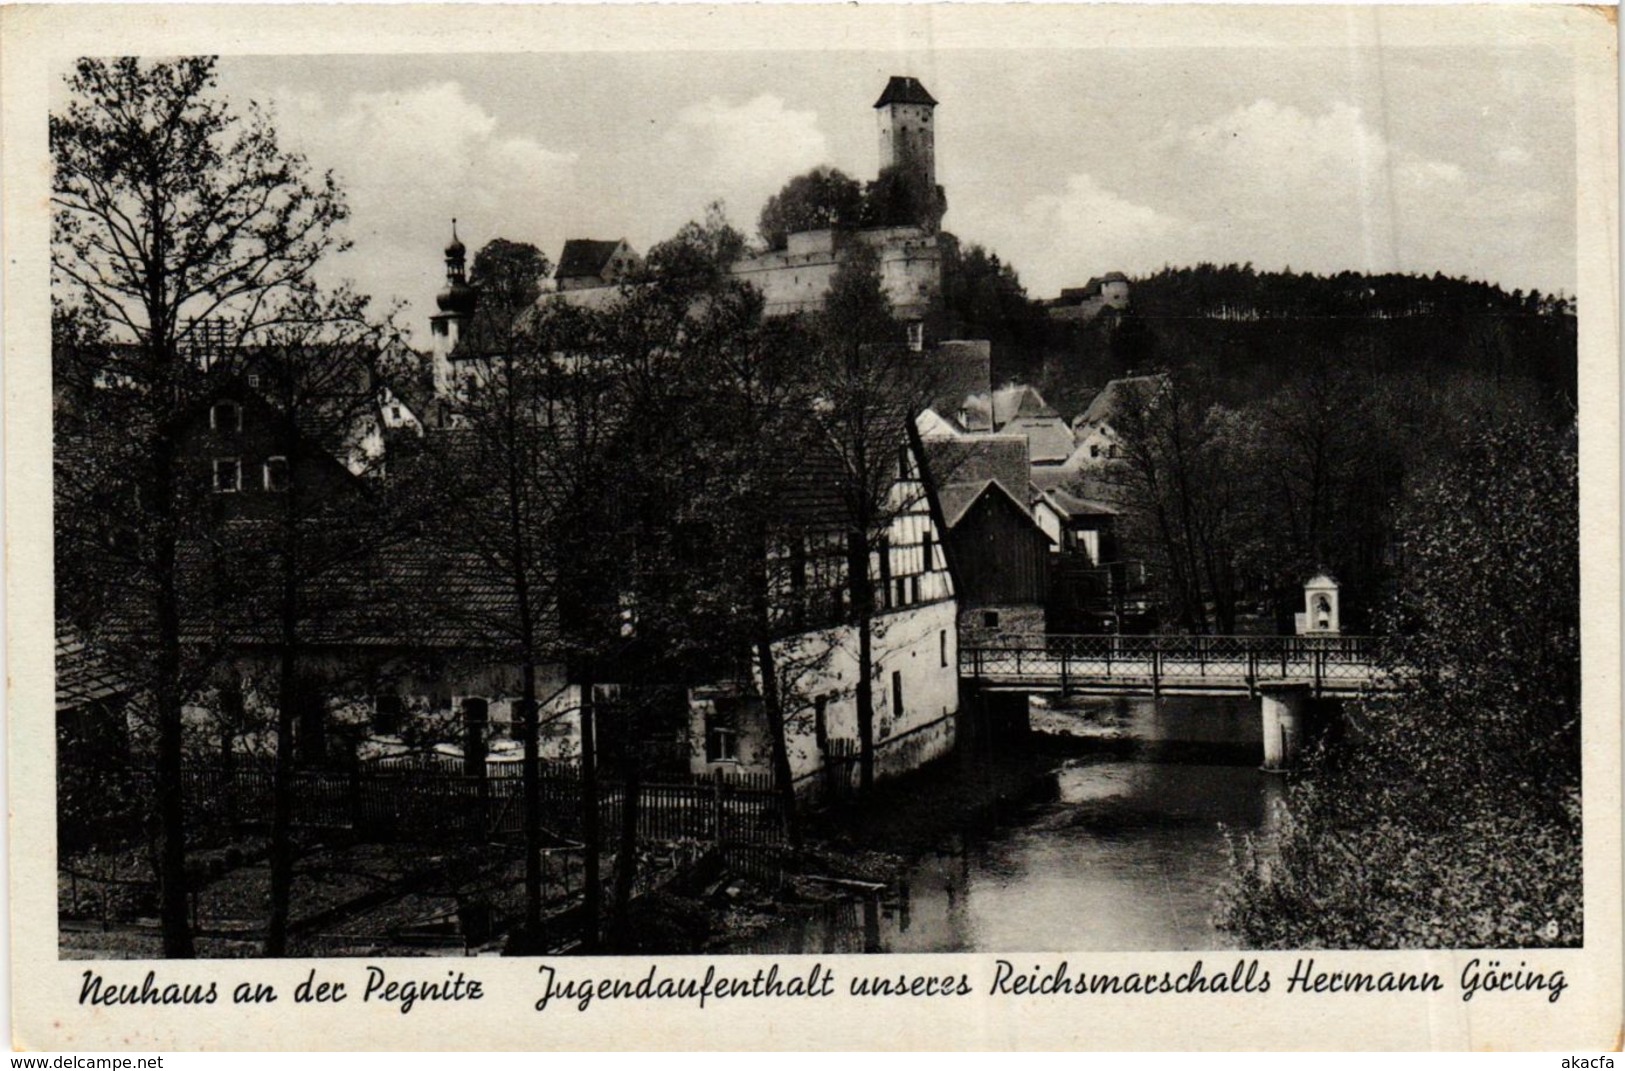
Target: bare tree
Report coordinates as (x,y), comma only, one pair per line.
(868,386)
(170,211)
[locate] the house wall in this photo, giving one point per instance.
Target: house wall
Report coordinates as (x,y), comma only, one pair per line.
(1000,557)
(914,636)
(1014,621)
(919,642)
(432,704)
(252,442)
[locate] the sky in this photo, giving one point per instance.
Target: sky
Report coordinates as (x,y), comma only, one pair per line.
(1066,162)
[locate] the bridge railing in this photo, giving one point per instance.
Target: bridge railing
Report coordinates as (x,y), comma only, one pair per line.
(1249,660)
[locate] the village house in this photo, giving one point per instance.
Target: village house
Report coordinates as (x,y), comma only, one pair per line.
(915,643)
(999,552)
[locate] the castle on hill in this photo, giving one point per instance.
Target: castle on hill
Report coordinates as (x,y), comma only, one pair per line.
(793,279)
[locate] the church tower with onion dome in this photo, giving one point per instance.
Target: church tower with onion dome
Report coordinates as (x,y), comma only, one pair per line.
(456,301)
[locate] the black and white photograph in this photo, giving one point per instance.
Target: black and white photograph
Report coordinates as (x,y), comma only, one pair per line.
(886,497)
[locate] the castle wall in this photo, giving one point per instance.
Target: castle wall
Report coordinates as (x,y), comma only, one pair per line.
(797,278)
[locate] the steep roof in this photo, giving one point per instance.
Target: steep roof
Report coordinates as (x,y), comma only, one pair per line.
(957,500)
(902,89)
(975,459)
(1112,394)
(1049,440)
(1018,400)
(585,256)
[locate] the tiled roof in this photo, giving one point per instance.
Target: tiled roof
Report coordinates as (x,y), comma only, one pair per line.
(1049,440)
(902,89)
(975,459)
(1018,400)
(1076,506)
(1111,395)
(81,675)
(585,256)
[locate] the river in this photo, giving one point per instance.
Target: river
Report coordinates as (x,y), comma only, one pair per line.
(1109,836)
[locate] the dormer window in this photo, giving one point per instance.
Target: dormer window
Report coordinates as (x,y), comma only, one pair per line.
(228,475)
(276,474)
(226,416)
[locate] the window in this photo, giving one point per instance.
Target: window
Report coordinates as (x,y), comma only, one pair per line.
(722,731)
(926,564)
(902,462)
(902,591)
(1094,449)
(226,416)
(276,474)
(476,716)
(386,714)
(913,589)
(228,475)
(254,381)
(990,619)
(897,694)
(916,336)
(821,722)
(395,412)
(883,551)
(942,647)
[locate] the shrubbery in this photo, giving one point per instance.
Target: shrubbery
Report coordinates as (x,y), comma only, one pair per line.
(1449,814)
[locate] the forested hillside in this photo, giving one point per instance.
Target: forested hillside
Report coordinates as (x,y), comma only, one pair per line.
(1249,331)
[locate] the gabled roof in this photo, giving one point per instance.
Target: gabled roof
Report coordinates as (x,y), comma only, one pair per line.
(1018,400)
(585,256)
(1112,394)
(975,459)
(958,499)
(902,89)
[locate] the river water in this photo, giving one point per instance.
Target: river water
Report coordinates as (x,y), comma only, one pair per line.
(1110,837)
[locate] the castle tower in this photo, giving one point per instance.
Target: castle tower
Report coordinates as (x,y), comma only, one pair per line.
(456,303)
(906,138)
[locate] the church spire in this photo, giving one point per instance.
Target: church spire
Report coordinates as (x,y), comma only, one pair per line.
(458,297)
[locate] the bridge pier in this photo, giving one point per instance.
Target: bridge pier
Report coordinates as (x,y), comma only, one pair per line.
(1284,707)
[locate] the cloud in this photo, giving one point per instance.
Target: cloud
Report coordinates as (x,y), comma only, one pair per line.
(1276,185)
(410,160)
(1061,238)
(743,153)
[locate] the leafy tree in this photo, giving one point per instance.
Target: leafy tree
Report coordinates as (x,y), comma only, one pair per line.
(897,197)
(509,277)
(171,210)
(1449,816)
(822,198)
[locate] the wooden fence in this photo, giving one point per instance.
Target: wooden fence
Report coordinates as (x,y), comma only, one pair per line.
(434,802)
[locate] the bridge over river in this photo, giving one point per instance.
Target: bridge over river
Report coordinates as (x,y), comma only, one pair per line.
(1284,672)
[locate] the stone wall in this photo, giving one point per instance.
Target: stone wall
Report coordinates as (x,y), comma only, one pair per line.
(1017,622)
